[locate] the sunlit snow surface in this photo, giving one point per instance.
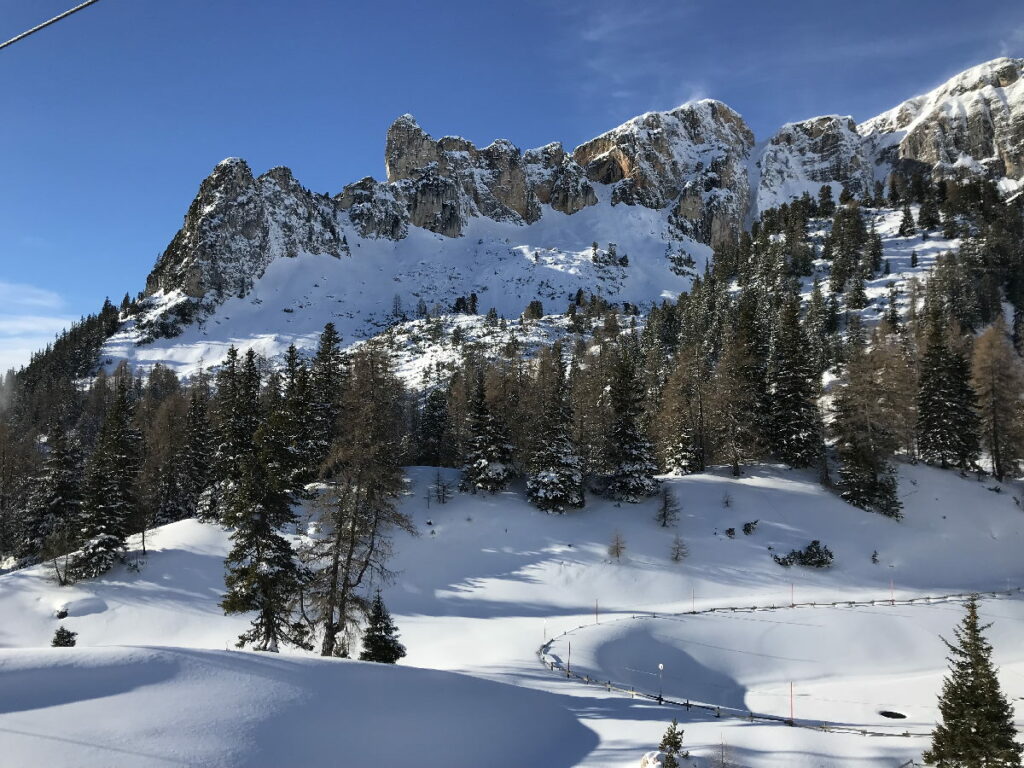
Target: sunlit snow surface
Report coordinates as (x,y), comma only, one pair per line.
(489,579)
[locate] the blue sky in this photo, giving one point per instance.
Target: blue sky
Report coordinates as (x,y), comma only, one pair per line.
(113,116)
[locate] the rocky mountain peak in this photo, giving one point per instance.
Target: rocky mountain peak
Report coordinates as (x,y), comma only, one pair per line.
(694,156)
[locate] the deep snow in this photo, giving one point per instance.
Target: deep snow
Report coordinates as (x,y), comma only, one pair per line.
(490,579)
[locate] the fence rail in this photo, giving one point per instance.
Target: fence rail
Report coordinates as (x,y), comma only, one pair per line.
(554,664)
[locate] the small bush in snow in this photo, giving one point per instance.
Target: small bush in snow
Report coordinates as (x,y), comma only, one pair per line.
(679,550)
(617,546)
(814,555)
(730,532)
(749,528)
(63,638)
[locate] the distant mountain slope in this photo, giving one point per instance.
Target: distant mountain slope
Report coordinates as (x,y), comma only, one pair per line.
(631,215)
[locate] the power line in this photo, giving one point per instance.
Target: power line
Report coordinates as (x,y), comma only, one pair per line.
(45,24)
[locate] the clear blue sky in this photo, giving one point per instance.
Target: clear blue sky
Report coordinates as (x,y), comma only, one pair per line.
(112,117)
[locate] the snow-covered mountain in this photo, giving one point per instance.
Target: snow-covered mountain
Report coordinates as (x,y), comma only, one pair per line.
(631,215)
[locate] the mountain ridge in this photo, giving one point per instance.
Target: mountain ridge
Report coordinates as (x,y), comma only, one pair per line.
(661,192)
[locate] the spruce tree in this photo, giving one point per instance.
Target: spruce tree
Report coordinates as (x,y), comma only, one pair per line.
(685,413)
(380,640)
(555,479)
(793,432)
(196,457)
(630,456)
(262,574)
(488,463)
(326,374)
(53,513)
(300,429)
(907,226)
(977,729)
(671,746)
(109,498)
(947,423)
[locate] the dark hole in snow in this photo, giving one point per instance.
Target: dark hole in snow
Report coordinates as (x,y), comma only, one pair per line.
(892,715)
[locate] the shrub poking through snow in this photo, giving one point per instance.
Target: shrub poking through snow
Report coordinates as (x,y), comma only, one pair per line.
(749,528)
(679,550)
(63,638)
(814,555)
(617,546)
(730,532)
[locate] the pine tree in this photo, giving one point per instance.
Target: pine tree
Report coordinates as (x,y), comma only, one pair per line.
(109,498)
(380,640)
(864,441)
(362,477)
(555,480)
(262,574)
(196,457)
(826,205)
(998,380)
(630,459)
(928,214)
(684,419)
(793,434)
(671,746)
(947,423)
(325,385)
(53,513)
(977,728)
(907,226)
(300,431)
(63,638)
(488,464)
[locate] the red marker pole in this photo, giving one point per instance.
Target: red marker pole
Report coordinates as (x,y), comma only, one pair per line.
(791,701)
(792,594)
(568,661)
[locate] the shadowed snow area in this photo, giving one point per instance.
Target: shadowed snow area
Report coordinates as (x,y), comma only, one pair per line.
(172,706)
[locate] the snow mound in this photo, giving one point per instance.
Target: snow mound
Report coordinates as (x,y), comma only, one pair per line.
(175,706)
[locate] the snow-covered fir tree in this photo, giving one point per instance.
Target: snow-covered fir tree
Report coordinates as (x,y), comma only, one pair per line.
(262,573)
(630,453)
(555,479)
(488,464)
(53,514)
(109,496)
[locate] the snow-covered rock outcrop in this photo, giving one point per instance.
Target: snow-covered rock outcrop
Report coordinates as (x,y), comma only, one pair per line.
(804,156)
(693,158)
(978,114)
(653,193)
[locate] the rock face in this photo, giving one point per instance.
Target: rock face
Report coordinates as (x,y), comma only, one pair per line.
(979,114)
(236,225)
(802,156)
(693,157)
(695,167)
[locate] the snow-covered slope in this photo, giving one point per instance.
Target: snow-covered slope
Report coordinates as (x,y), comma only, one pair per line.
(102,707)
(976,117)
(490,579)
